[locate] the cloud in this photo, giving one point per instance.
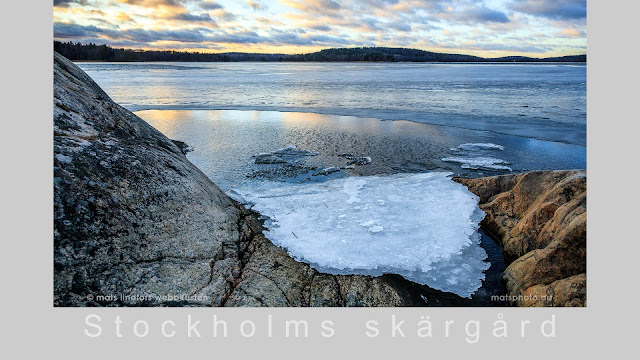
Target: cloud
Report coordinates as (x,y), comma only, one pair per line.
(224,14)
(66,3)
(492,46)
(277,38)
(510,48)
(571,33)
(478,27)
(71,31)
(150,36)
(400,26)
(382,3)
(209,5)
(313,6)
(398,15)
(204,17)
(256,6)
(321,39)
(289,39)
(124,17)
(152,3)
(483,14)
(137,35)
(319,27)
(553,9)
(241,37)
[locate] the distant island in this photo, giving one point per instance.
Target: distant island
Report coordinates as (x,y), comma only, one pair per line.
(94,52)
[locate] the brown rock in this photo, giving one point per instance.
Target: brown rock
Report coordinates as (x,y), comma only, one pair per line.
(571,291)
(540,219)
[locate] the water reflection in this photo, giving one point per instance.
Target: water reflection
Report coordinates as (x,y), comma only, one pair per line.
(225,141)
(541,101)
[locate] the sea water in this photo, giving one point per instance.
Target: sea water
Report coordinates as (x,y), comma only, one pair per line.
(545,101)
(310,147)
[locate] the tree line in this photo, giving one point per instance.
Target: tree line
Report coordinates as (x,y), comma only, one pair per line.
(94,52)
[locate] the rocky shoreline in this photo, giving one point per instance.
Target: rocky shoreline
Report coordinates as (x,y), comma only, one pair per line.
(136,224)
(540,219)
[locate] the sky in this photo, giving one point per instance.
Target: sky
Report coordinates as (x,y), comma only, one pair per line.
(488,28)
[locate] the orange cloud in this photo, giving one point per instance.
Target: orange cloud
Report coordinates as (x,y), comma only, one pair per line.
(571,33)
(298,26)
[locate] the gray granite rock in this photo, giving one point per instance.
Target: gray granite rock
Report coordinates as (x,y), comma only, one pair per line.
(131,215)
(136,224)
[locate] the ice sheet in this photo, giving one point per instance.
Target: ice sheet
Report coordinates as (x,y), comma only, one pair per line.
(479,146)
(479,162)
(421,226)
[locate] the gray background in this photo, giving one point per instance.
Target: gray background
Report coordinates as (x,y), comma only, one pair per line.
(32,327)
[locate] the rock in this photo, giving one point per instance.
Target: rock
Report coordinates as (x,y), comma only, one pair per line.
(571,291)
(132,216)
(183,146)
(270,277)
(540,219)
(135,223)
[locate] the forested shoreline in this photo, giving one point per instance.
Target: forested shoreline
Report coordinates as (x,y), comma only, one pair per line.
(95,52)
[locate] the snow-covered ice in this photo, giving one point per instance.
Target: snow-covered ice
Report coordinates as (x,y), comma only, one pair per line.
(421,226)
(479,146)
(356,160)
(283,155)
(479,162)
(475,157)
(327,171)
(267,158)
(292,150)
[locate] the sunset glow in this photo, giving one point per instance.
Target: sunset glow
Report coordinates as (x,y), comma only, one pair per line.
(491,28)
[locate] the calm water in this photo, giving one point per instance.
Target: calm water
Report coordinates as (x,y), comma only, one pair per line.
(545,101)
(231,112)
(225,141)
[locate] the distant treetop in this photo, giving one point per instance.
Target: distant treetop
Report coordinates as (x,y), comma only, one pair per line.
(93,52)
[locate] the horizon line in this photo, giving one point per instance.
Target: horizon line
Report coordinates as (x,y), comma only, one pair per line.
(312,52)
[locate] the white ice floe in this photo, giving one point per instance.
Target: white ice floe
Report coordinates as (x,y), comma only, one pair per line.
(327,171)
(356,160)
(477,163)
(283,155)
(266,158)
(478,146)
(421,226)
(294,151)
(363,160)
(475,157)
